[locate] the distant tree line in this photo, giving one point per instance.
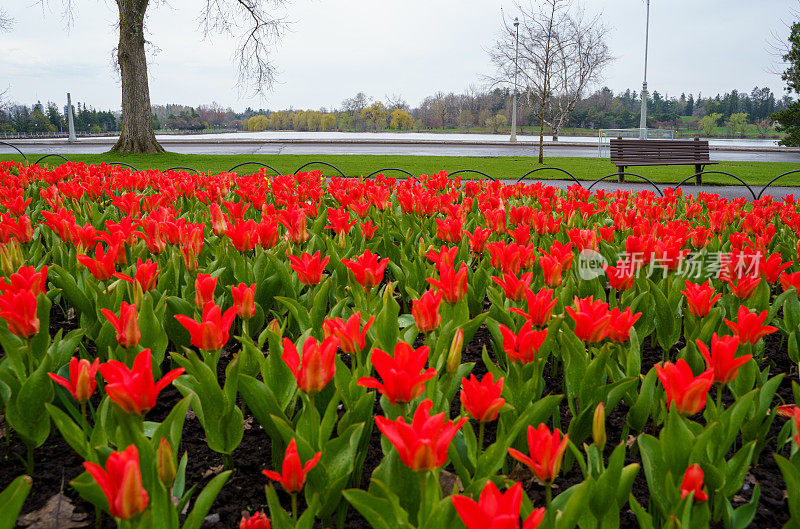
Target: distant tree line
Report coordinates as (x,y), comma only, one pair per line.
(39,118)
(734,113)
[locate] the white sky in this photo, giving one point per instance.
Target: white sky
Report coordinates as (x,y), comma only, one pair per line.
(412,48)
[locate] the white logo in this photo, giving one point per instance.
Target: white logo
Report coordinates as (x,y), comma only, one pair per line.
(590,264)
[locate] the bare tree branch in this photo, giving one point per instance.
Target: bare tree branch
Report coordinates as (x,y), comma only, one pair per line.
(6,22)
(562,53)
(258,29)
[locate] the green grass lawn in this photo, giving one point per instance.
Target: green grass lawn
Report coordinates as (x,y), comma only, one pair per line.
(754,173)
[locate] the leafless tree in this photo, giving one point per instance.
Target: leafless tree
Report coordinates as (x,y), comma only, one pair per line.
(253,21)
(6,22)
(562,53)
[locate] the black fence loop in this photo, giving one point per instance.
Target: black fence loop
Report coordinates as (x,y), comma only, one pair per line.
(15,148)
(490,177)
(661,193)
(254,163)
(321,163)
(551,169)
(373,173)
(123,164)
(774,180)
(179,168)
(701,173)
(48,156)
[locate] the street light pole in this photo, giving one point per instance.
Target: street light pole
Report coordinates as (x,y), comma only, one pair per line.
(516,69)
(643,119)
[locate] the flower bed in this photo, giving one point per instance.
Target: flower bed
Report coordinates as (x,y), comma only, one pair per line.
(384,353)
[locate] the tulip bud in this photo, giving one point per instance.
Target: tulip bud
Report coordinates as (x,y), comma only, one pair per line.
(138,294)
(421,247)
(10,258)
(454,356)
(275,328)
(166,463)
(599,426)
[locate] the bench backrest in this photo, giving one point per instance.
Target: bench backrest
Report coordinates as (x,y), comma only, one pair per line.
(654,150)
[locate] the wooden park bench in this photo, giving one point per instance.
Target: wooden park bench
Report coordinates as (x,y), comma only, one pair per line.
(633,152)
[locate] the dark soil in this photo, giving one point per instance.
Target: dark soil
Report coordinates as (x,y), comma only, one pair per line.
(57,463)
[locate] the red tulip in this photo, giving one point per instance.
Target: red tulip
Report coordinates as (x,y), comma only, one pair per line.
(340,221)
(552,269)
(134,390)
(204,287)
(482,399)
(146,275)
(293,474)
(592,319)
(126,325)
(26,278)
(446,256)
(620,277)
(352,337)
(244,300)
(496,510)
(619,328)
(317,366)
(693,482)
(103,266)
(309,267)
(422,444)
(449,229)
(722,357)
(426,311)
(295,222)
(700,298)
(367,268)
(243,234)
(749,327)
(513,286)
(121,483)
(18,308)
(259,520)
(368,229)
(452,284)
(212,332)
(82,382)
(403,376)
(686,391)
(789,280)
(546,452)
(477,239)
(522,347)
(540,306)
(772,267)
(744,287)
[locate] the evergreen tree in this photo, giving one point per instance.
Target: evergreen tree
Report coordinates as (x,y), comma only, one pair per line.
(789,118)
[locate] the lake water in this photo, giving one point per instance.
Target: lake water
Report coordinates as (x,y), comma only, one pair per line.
(429,136)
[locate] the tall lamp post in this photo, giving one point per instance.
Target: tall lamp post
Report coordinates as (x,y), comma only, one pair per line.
(516,69)
(643,119)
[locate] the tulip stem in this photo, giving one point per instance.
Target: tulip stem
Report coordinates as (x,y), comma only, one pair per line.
(84,417)
(294,506)
(29,356)
(227,461)
(481,428)
(548,496)
(719,399)
(29,459)
(423,500)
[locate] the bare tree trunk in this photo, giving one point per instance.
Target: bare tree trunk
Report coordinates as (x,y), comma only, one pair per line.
(137,134)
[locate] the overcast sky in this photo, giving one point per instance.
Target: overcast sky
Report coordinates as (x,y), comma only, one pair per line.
(411,48)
